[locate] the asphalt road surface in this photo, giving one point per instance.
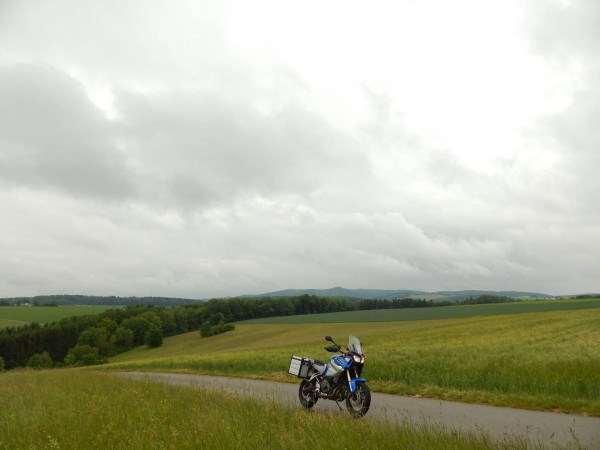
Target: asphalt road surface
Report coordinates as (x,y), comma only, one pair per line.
(545,428)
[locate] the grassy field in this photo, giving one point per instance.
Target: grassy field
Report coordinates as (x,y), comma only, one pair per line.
(543,360)
(546,360)
(439,312)
(74,409)
(21,315)
(10,323)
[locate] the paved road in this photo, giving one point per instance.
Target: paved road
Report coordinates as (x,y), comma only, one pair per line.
(548,429)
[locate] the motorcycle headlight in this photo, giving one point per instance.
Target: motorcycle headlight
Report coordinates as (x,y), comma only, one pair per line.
(358,359)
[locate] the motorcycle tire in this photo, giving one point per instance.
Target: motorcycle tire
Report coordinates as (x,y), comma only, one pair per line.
(359,401)
(307,393)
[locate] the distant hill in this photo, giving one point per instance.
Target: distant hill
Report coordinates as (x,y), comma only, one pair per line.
(338,292)
(341,292)
(370,294)
(62,300)
(461,295)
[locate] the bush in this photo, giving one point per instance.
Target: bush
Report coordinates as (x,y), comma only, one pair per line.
(207,330)
(40,361)
(84,355)
(1,364)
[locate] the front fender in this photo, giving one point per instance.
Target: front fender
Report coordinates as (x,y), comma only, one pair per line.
(353,383)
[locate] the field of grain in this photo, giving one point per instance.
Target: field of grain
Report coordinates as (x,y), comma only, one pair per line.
(543,360)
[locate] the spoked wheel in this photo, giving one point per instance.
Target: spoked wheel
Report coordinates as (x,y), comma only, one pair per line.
(360,400)
(307,393)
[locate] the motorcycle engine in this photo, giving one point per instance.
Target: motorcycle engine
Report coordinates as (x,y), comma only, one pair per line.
(325,386)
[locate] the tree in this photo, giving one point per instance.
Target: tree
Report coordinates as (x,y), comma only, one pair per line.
(206,329)
(217,318)
(153,318)
(167,317)
(122,340)
(108,324)
(139,326)
(153,337)
(40,361)
(84,355)
(97,337)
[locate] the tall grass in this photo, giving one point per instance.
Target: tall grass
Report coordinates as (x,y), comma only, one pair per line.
(546,361)
(70,409)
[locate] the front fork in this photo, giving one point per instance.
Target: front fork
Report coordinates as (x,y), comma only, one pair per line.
(352,381)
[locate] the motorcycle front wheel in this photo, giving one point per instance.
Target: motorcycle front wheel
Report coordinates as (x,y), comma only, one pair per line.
(359,401)
(307,393)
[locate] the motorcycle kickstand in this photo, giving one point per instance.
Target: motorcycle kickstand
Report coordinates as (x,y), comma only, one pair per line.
(338,405)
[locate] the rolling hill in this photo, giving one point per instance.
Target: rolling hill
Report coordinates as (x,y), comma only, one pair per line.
(399,293)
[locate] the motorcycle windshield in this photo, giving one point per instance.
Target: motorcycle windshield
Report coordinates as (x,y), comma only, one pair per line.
(354,345)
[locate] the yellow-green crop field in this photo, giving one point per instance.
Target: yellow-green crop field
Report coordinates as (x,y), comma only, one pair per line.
(542,360)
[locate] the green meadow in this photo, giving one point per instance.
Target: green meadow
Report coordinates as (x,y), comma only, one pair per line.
(15,316)
(76,409)
(439,312)
(548,360)
(544,360)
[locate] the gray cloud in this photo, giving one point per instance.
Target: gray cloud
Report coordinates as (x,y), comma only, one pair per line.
(568,36)
(197,148)
(53,136)
(181,148)
(212,169)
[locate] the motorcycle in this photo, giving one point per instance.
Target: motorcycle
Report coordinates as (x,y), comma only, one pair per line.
(339,380)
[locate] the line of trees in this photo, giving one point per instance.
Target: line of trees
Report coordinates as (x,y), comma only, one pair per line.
(422,303)
(398,303)
(90,339)
(488,298)
(241,308)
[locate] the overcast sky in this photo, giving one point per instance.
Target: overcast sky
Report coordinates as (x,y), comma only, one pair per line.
(215,148)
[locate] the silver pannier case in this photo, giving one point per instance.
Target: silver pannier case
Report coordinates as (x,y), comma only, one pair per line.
(299,366)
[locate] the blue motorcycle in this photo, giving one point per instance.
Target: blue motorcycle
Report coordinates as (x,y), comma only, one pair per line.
(338,380)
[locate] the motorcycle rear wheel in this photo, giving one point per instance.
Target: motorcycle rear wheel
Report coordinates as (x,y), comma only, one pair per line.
(359,401)
(307,393)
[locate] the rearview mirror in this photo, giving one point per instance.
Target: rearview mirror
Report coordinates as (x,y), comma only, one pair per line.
(328,338)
